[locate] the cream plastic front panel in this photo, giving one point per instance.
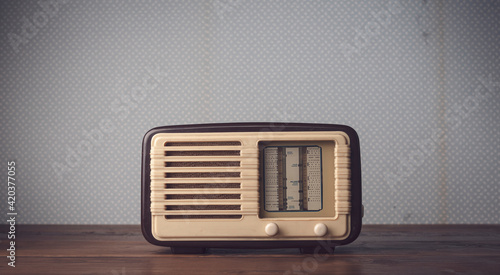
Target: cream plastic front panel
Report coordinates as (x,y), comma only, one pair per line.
(233,208)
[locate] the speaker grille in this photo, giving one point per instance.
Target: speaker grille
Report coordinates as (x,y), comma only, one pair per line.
(202,179)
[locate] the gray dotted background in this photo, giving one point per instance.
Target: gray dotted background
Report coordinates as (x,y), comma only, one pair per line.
(82,81)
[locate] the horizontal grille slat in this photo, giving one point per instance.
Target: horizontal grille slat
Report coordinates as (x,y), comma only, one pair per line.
(201,185)
(202,164)
(202,175)
(203,153)
(235,152)
(202,196)
(202,169)
(156,178)
(161,212)
(203,207)
(202,143)
(203,217)
(158,203)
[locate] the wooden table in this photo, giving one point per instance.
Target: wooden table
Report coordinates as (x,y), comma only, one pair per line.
(380,249)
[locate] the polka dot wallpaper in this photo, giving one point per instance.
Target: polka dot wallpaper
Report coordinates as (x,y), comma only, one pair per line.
(82,81)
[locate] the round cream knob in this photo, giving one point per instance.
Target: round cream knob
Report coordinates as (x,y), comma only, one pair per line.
(320,229)
(271,229)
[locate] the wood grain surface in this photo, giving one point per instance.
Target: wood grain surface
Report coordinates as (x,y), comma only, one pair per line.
(380,249)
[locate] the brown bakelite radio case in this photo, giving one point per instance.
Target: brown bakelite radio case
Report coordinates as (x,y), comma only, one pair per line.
(251,185)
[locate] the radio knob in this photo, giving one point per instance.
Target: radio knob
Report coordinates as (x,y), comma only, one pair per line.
(320,229)
(271,229)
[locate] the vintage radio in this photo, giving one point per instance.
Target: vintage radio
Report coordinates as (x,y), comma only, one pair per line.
(251,185)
